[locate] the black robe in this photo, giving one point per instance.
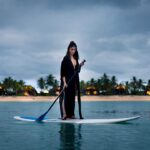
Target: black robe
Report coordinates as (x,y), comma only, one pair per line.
(68,97)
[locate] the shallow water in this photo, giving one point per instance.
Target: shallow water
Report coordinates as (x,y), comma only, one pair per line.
(56,136)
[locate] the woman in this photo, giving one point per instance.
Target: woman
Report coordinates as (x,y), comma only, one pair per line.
(70,68)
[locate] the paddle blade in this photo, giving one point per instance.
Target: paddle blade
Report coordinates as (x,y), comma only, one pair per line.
(41,118)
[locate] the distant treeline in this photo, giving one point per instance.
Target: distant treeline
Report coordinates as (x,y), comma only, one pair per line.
(104,85)
(108,85)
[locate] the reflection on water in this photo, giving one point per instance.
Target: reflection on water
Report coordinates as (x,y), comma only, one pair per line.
(70,136)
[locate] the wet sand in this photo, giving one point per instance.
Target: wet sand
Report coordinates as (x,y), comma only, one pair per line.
(83,98)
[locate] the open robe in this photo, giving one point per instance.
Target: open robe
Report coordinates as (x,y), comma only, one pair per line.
(67,99)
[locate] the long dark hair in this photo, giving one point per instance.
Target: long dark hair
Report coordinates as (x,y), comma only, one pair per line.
(73,44)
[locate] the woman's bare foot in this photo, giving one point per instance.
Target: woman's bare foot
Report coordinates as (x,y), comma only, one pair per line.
(64,118)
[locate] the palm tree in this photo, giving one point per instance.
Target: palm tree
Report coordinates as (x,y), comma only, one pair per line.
(98,84)
(113,81)
(92,82)
(105,83)
(15,86)
(140,86)
(88,83)
(10,85)
(82,86)
(7,83)
(50,80)
(18,86)
(55,84)
(113,84)
(21,83)
(133,85)
(127,87)
(41,83)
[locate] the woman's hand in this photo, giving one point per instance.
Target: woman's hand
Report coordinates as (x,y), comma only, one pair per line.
(65,85)
(82,63)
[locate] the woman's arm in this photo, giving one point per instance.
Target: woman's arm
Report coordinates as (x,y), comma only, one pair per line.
(64,81)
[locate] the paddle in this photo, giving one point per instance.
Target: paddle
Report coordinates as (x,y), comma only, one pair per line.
(39,119)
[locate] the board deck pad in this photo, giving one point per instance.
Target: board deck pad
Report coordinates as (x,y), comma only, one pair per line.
(78,121)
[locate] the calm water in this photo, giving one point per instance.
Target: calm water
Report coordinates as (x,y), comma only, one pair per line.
(56,136)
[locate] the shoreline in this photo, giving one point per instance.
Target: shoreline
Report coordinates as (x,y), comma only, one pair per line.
(83,98)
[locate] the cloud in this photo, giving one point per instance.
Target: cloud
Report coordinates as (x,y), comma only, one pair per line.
(112,35)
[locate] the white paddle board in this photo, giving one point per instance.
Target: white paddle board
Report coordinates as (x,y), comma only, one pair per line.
(79,121)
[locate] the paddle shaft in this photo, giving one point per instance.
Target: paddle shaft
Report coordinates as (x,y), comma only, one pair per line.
(43,115)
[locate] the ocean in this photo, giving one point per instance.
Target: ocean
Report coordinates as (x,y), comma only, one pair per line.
(134,135)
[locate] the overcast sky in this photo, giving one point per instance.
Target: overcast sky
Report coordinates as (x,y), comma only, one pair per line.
(112,35)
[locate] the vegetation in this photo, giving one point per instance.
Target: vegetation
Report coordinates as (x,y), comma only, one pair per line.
(9,86)
(104,85)
(48,85)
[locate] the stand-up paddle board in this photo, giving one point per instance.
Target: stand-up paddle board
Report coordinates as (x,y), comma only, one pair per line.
(79,121)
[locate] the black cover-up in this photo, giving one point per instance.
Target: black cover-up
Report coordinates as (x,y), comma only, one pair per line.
(68,97)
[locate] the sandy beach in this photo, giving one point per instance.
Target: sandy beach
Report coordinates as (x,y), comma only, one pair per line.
(83,98)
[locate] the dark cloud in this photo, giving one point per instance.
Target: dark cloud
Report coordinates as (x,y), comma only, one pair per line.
(54,4)
(113,36)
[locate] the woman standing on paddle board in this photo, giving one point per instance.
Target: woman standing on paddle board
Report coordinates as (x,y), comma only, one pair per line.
(70,67)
